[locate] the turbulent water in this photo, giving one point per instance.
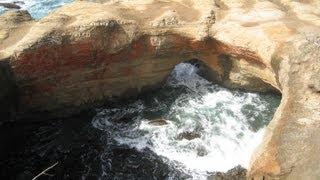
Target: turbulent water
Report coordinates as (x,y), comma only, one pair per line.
(37,8)
(195,126)
(188,129)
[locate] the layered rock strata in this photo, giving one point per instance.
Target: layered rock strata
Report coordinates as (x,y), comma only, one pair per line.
(86,52)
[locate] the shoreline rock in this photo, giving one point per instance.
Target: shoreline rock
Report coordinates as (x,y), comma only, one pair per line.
(10,5)
(236,173)
(74,58)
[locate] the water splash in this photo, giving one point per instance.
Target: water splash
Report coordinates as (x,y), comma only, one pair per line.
(226,125)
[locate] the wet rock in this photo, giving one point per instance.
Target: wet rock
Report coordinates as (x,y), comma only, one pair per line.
(188,135)
(122,117)
(158,122)
(10,5)
(201,151)
(236,173)
(18,2)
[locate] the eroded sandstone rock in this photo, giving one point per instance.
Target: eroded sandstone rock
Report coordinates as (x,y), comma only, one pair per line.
(86,52)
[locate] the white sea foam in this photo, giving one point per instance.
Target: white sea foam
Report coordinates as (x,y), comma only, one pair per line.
(216,113)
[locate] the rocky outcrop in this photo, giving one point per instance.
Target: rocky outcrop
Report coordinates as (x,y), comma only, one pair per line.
(188,135)
(10,5)
(286,39)
(73,58)
(86,52)
(236,173)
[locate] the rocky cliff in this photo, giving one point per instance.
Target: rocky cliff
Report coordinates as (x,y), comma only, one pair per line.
(86,52)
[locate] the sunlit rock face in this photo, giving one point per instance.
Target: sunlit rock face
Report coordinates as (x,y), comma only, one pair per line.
(74,57)
(85,52)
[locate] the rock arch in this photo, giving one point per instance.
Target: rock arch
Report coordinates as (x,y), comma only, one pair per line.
(74,57)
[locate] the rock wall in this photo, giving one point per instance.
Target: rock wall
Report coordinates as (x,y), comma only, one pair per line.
(68,61)
(8,94)
(86,52)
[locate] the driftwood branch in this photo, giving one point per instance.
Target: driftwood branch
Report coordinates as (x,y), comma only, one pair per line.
(44,172)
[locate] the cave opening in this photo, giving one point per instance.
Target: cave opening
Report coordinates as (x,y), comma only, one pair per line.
(192,127)
(193,123)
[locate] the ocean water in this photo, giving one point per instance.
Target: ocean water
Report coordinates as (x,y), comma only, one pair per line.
(37,8)
(188,129)
(194,126)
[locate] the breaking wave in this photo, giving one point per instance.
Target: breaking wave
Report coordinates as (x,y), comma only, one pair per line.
(194,125)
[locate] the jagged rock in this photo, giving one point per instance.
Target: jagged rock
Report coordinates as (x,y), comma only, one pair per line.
(236,173)
(188,135)
(169,18)
(10,5)
(75,57)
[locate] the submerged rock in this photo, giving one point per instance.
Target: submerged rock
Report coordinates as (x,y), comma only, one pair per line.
(188,135)
(158,122)
(201,151)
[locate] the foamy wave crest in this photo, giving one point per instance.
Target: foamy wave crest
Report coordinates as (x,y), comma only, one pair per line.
(207,128)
